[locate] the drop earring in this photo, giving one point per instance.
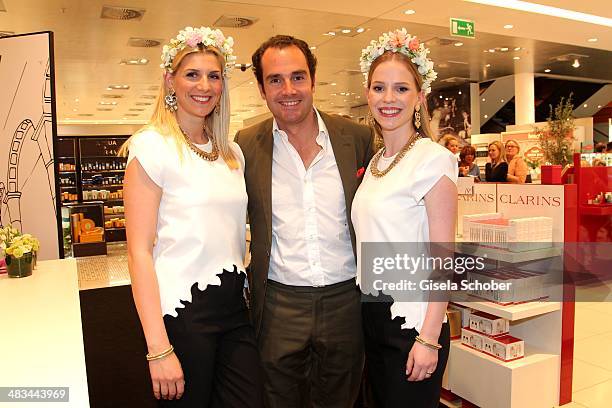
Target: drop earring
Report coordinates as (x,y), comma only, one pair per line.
(417,117)
(170,101)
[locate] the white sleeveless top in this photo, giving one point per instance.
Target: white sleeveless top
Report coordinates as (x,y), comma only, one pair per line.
(391,208)
(201,223)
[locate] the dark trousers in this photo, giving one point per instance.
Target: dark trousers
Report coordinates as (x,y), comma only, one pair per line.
(386,347)
(311,345)
(215,344)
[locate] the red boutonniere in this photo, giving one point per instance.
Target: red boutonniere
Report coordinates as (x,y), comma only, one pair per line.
(360,172)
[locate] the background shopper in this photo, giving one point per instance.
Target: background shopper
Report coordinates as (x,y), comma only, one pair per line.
(408,194)
(497,169)
(185,204)
(517,168)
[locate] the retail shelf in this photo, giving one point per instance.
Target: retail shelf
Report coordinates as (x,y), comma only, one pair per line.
(65,158)
(451,404)
(103,157)
(532,356)
(507,256)
(104,171)
(87,187)
(115,229)
(600,209)
(106,200)
(63,186)
(513,312)
(67,171)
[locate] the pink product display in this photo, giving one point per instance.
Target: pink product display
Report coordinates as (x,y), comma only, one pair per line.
(510,234)
(505,348)
(523,286)
(2,266)
(488,324)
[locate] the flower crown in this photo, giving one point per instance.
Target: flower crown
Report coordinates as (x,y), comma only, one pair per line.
(193,37)
(402,42)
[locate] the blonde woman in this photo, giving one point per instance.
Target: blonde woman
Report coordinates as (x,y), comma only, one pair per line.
(408,194)
(497,169)
(185,205)
(517,168)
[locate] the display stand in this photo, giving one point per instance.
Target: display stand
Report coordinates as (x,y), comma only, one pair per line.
(543,377)
(86,228)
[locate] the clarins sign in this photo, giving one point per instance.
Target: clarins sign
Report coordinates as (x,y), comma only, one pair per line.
(530,199)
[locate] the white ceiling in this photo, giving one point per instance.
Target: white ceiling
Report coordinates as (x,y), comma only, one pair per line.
(88,49)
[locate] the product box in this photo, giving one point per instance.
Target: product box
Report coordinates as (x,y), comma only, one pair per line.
(454,321)
(489,324)
(524,286)
(505,348)
(472,339)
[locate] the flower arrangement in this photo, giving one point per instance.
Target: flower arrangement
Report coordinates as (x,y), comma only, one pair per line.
(13,243)
(193,37)
(402,42)
(557,138)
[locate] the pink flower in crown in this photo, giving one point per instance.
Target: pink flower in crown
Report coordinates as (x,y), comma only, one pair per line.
(398,39)
(194,40)
(413,45)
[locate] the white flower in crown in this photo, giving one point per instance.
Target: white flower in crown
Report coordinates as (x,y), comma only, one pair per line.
(192,37)
(402,42)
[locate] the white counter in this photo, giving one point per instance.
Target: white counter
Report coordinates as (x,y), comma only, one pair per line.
(41,339)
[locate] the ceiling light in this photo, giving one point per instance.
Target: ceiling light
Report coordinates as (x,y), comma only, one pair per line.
(598,106)
(313,48)
(501,100)
(486,116)
(486,50)
(491,49)
(547,10)
(74,110)
(440,96)
(107,103)
(360,30)
(346,30)
(358,97)
(484,100)
(592,40)
(516,58)
(547,70)
(504,49)
(409,12)
(118,87)
(459,92)
(488,65)
(585,105)
(250,82)
(517,48)
(576,63)
(333,84)
(458,44)
(508,26)
(77,100)
(332,33)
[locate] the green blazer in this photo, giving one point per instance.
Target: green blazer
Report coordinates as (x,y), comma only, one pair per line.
(353,148)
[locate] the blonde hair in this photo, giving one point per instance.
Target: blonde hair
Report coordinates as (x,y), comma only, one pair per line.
(502,152)
(446,139)
(425,129)
(216,124)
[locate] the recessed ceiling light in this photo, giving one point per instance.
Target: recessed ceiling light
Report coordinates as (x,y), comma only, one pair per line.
(484,99)
(118,87)
(488,65)
(486,116)
(547,10)
(107,103)
(409,12)
(333,84)
(508,26)
(491,49)
(250,82)
(504,49)
(458,44)
(592,40)
(74,110)
(459,92)
(576,63)
(346,30)
(486,51)
(517,48)
(332,33)
(77,100)
(313,47)
(360,30)
(501,100)
(516,58)
(547,70)
(585,105)
(598,106)
(440,96)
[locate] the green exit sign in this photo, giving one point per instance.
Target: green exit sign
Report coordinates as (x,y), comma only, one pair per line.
(462,28)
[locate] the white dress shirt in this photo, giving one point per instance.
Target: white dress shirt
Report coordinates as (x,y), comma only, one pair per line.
(311,242)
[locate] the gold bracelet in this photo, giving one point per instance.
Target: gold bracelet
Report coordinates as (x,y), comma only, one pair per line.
(167,352)
(427,344)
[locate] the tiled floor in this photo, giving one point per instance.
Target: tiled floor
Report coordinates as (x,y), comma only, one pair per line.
(592,386)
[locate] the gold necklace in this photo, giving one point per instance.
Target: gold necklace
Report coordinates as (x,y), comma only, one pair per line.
(212,156)
(374,166)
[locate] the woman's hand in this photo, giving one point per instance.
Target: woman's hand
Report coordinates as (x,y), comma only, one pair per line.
(167,377)
(422,362)
(464,170)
